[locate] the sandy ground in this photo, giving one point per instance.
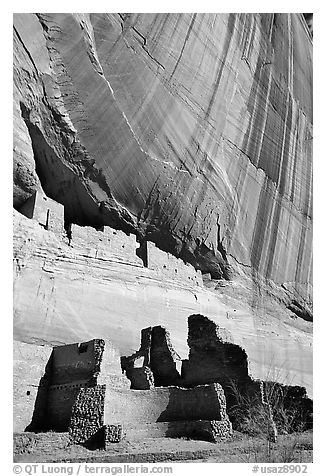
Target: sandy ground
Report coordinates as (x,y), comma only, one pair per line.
(51,447)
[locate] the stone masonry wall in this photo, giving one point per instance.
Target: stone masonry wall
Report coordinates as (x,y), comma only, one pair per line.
(47,212)
(209,430)
(106,243)
(47,380)
(199,411)
(120,410)
(87,414)
(75,363)
(204,402)
(77,366)
(168,266)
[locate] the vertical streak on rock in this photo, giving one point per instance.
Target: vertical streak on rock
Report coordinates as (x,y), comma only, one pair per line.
(226,47)
(184,43)
(235,114)
(261,227)
(275,220)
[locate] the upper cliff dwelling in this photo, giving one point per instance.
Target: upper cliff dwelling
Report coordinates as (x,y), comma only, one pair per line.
(162,185)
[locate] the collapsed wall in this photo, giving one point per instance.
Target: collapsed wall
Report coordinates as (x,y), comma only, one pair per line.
(69,369)
(84,391)
(214,358)
(47,212)
(156,360)
(162,411)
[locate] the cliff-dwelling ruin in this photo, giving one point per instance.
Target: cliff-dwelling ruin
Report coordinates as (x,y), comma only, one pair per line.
(162,239)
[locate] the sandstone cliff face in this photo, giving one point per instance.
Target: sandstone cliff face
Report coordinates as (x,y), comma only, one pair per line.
(191,130)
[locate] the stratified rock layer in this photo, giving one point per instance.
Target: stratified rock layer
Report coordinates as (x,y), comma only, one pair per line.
(193,130)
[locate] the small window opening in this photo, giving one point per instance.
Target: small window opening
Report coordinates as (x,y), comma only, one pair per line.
(47,219)
(82,347)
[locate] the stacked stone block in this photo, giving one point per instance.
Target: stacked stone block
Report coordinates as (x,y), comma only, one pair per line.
(112,434)
(87,417)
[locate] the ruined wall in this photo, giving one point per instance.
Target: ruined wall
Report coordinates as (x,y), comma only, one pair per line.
(106,243)
(29,363)
(47,212)
(47,381)
(60,401)
(87,416)
(78,366)
(212,356)
(73,367)
(100,415)
(168,266)
(155,363)
(76,363)
(163,358)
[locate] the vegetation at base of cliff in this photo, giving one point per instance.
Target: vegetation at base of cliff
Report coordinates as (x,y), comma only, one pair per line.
(291,410)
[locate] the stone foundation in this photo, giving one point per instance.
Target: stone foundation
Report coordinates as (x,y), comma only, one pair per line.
(109,415)
(112,434)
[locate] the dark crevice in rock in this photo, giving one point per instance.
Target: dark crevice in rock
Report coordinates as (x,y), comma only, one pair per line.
(300,311)
(309,21)
(142,252)
(220,245)
(62,169)
(144,47)
(196,253)
(25,49)
(60,178)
